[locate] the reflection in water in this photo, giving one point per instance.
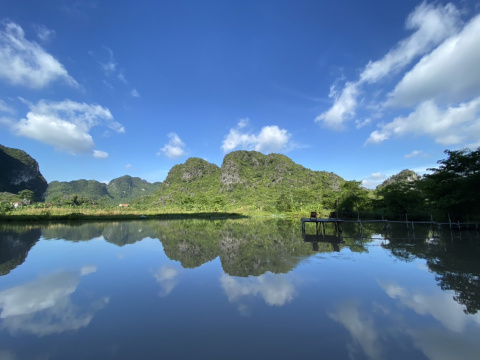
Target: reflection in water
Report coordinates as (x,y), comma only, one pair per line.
(276,290)
(44,306)
(15,243)
(441,307)
(334,240)
(388,294)
(167,277)
(361,327)
(459,341)
(454,258)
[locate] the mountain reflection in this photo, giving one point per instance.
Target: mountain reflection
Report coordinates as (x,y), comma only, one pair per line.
(16,242)
(44,306)
(253,247)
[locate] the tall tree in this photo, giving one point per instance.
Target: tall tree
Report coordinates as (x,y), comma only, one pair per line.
(453,187)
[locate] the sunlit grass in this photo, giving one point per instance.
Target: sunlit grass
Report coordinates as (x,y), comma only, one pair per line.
(80,212)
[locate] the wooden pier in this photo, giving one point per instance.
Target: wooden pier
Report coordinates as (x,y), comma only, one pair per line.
(320,223)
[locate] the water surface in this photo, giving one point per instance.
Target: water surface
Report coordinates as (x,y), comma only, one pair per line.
(237,289)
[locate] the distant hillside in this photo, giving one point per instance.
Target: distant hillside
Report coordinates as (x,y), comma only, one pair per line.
(20,172)
(128,188)
(195,179)
(89,189)
(404,176)
(120,190)
(248,178)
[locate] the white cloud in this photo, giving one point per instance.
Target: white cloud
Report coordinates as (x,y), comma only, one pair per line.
(100,154)
(343,107)
(110,68)
(175,147)
(373,180)
(134,93)
(450,72)
(65,125)
(25,63)
(362,123)
(270,139)
(121,77)
(413,154)
(452,126)
(432,23)
(43,33)
(243,123)
(110,65)
(5,108)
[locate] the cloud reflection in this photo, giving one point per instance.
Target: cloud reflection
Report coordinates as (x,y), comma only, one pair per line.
(458,343)
(360,326)
(167,277)
(276,290)
(44,306)
(440,306)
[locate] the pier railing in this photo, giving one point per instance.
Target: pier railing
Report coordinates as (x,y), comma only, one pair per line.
(410,220)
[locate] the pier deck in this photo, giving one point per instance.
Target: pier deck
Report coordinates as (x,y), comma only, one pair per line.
(319,221)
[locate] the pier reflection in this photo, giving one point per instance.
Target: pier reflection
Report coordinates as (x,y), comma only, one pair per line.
(335,240)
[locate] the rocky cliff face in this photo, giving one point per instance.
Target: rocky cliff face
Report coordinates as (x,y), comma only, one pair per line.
(19,171)
(404,176)
(255,170)
(194,169)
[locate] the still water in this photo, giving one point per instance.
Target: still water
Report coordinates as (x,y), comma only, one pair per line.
(237,289)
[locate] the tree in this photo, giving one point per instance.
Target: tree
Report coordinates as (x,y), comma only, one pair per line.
(401,198)
(453,187)
(27,196)
(353,197)
(284,202)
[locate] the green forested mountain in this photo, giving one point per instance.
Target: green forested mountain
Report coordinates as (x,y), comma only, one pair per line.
(89,189)
(248,178)
(122,189)
(128,188)
(404,177)
(193,183)
(19,171)
(253,178)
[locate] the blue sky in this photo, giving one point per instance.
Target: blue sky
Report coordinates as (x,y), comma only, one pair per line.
(364,89)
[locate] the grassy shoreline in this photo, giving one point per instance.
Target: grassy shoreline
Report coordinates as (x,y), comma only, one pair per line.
(116,216)
(69,214)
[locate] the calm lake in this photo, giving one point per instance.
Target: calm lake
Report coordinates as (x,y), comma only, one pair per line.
(237,289)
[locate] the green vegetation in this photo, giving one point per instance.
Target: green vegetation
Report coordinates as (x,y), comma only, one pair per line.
(249,182)
(454,187)
(450,191)
(78,192)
